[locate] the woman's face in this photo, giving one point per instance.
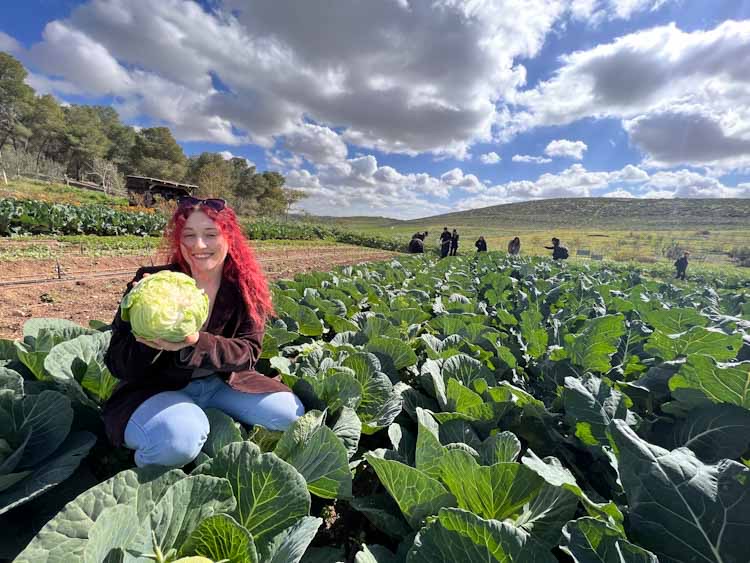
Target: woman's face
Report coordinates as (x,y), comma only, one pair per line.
(203,245)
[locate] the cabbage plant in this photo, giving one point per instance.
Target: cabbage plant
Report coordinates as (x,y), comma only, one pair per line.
(37,449)
(166,305)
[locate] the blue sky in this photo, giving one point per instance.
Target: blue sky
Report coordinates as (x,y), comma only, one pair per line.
(407,108)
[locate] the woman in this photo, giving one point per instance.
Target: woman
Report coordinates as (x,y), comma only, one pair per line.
(481,244)
(158,407)
(514,246)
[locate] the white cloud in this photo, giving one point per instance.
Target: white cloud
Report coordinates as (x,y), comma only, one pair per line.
(319,145)
(360,186)
(490,158)
(566,148)
(619,193)
(374,71)
(689,184)
(674,137)
(467,182)
(530,159)
(8,43)
(576,181)
(228,155)
(684,96)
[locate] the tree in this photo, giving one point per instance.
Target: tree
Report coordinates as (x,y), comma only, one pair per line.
(292,196)
(121,137)
(271,201)
(47,124)
(84,138)
(212,174)
(156,154)
(105,173)
(16,99)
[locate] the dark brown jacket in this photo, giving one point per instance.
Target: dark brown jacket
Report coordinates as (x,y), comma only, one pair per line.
(230,345)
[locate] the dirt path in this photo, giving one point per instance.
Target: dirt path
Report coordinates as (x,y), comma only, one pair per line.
(97,298)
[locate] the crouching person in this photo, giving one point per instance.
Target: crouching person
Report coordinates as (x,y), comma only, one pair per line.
(158,407)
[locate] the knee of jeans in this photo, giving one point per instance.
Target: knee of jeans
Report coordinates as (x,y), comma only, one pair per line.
(287,413)
(177,440)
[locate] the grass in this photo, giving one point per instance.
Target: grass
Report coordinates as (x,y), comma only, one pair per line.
(57,193)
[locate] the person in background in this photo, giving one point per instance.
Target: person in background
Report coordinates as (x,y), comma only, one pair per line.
(481,244)
(559,252)
(445,242)
(416,246)
(681,265)
(514,246)
(454,242)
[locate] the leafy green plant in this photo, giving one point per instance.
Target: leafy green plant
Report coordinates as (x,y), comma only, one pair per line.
(37,448)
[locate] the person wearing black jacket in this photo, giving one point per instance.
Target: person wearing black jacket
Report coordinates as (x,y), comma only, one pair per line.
(416,246)
(454,242)
(481,244)
(514,246)
(681,264)
(445,242)
(559,252)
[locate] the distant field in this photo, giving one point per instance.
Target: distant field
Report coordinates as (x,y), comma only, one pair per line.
(715,231)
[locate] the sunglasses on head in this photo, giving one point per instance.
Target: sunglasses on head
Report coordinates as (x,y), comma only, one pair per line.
(216,204)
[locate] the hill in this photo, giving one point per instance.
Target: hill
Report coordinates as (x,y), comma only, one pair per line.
(609,213)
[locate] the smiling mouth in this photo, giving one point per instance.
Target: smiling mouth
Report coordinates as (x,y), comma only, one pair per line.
(202,256)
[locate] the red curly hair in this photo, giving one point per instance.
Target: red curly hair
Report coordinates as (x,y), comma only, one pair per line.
(240,266)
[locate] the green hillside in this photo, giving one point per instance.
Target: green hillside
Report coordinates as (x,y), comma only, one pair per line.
(599,212)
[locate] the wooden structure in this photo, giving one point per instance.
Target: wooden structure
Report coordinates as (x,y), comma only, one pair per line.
(148,188)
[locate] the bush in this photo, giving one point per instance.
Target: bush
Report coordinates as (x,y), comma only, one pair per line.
(741,255)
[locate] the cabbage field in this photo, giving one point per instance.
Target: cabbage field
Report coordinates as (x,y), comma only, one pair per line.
(479,408)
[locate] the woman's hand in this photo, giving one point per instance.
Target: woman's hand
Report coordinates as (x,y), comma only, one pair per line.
(161,344)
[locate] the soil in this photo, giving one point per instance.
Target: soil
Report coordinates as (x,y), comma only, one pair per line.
(84,298)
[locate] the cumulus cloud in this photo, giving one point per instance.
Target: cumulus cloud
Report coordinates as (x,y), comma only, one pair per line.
(360,186)
(8,43)
(566,148)
(619,193)
(577,181)
(490,158)
(530,159)
(683,96)
(674,137)
(319,145)
(467,182)
(256,71)
(690,184)
(228,155)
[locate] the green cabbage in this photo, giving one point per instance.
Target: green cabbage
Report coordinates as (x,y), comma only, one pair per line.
(166,305)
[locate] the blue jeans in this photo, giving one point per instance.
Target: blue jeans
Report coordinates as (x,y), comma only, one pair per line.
(170,428)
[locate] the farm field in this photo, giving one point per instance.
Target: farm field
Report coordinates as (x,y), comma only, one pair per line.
(707,245)
(644,231)
(85,276)
(477,408)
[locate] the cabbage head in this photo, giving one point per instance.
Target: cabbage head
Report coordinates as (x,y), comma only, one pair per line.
(166,305)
